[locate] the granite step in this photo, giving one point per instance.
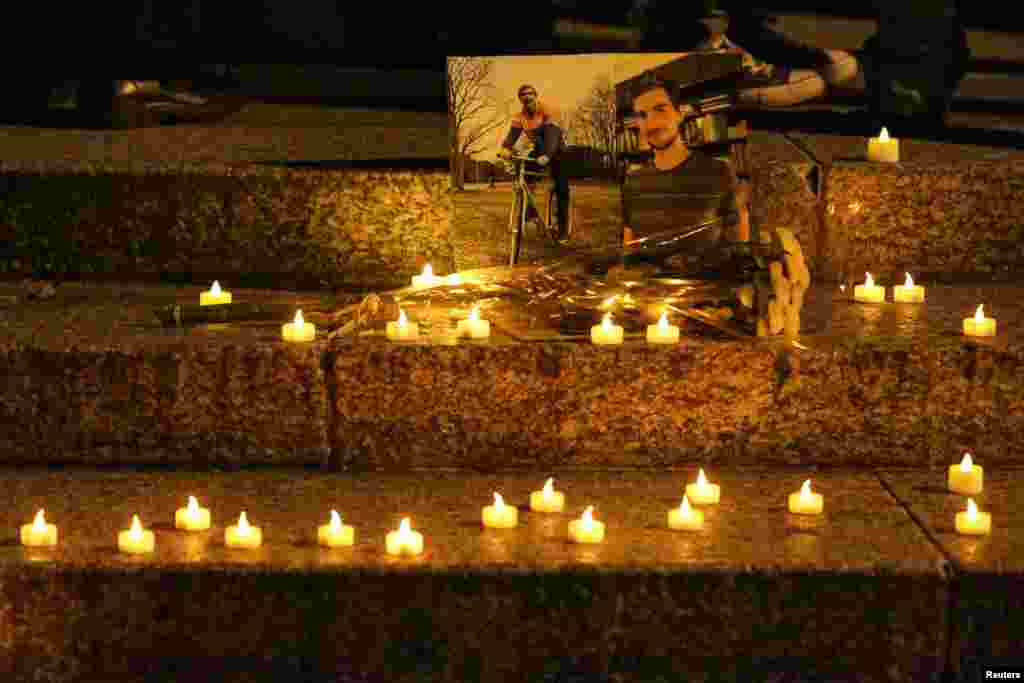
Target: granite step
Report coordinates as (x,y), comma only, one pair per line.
(875,589)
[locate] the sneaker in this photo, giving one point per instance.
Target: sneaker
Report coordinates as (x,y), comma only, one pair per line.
(754,69)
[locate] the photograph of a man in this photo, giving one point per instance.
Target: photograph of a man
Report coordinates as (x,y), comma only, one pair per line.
(683,187)
(537,121)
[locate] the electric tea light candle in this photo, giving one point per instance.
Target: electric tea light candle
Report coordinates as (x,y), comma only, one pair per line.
(966,478)
(869,292)
(908,292)
(402,329)
(685,518)
(662,332)
(805,502)
(193,517)
(243,535)
(701,492)
(586,529)
(299,330)
(473,327)
(427,279)
(405,541)
(547,499)
(335,534)
(972,522)
(979,325)
(883,148)
(214,296)
(499,515)
(39,533)
(606,332)
(136,540)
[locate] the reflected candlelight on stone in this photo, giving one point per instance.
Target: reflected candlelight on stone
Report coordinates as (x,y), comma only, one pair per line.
(39,533)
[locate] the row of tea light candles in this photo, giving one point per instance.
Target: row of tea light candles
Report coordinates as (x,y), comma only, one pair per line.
(908,292)
(965,478)
(473,327)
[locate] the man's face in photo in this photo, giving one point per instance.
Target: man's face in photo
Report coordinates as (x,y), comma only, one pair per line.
(529,100)
(659,119)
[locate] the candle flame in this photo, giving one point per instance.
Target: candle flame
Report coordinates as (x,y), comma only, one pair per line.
(193,506)
(842,288)
(136,530)
(909,282)
(548,488)
(588,517)
(402,320)
(428,272)
(40,522)
(805,490)
(701,479)
(972,509)
(474,313)
(215,290)
(299,322)
(243,524)
(404,529)
(684,507)
(966,463)
(335,521)
(498,502)
(663,322)
(606,323)
(884,135)
(455,279)
(979,314)
(868,282)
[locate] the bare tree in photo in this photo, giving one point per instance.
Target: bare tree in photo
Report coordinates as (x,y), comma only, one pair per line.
(594,119)
(474,111)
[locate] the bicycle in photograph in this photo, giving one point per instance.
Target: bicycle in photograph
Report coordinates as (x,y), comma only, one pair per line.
(525,199)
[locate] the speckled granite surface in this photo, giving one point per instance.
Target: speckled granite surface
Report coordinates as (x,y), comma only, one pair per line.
(860,592)
(988,604)
(869,385)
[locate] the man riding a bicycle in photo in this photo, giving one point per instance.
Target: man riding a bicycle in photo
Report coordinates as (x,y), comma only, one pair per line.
(538,123)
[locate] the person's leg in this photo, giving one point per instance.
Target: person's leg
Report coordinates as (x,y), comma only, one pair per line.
(562,190)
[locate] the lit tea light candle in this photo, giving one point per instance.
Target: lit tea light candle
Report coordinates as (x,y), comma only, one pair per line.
(547,499)
(606,332)
(966,478)
(805,502)
(193,517)
(883,148)
(39,533)
(335,534)
(499,515)
(405,541)
(869,292)
(908,292)
(402,329)
(701,492)
(972,522)
(685,518)
(473,327)
(586,529)
(214,296)
(979,325)
(299,330)
(427,279)
(136,540)
(243,535)
(662,332)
